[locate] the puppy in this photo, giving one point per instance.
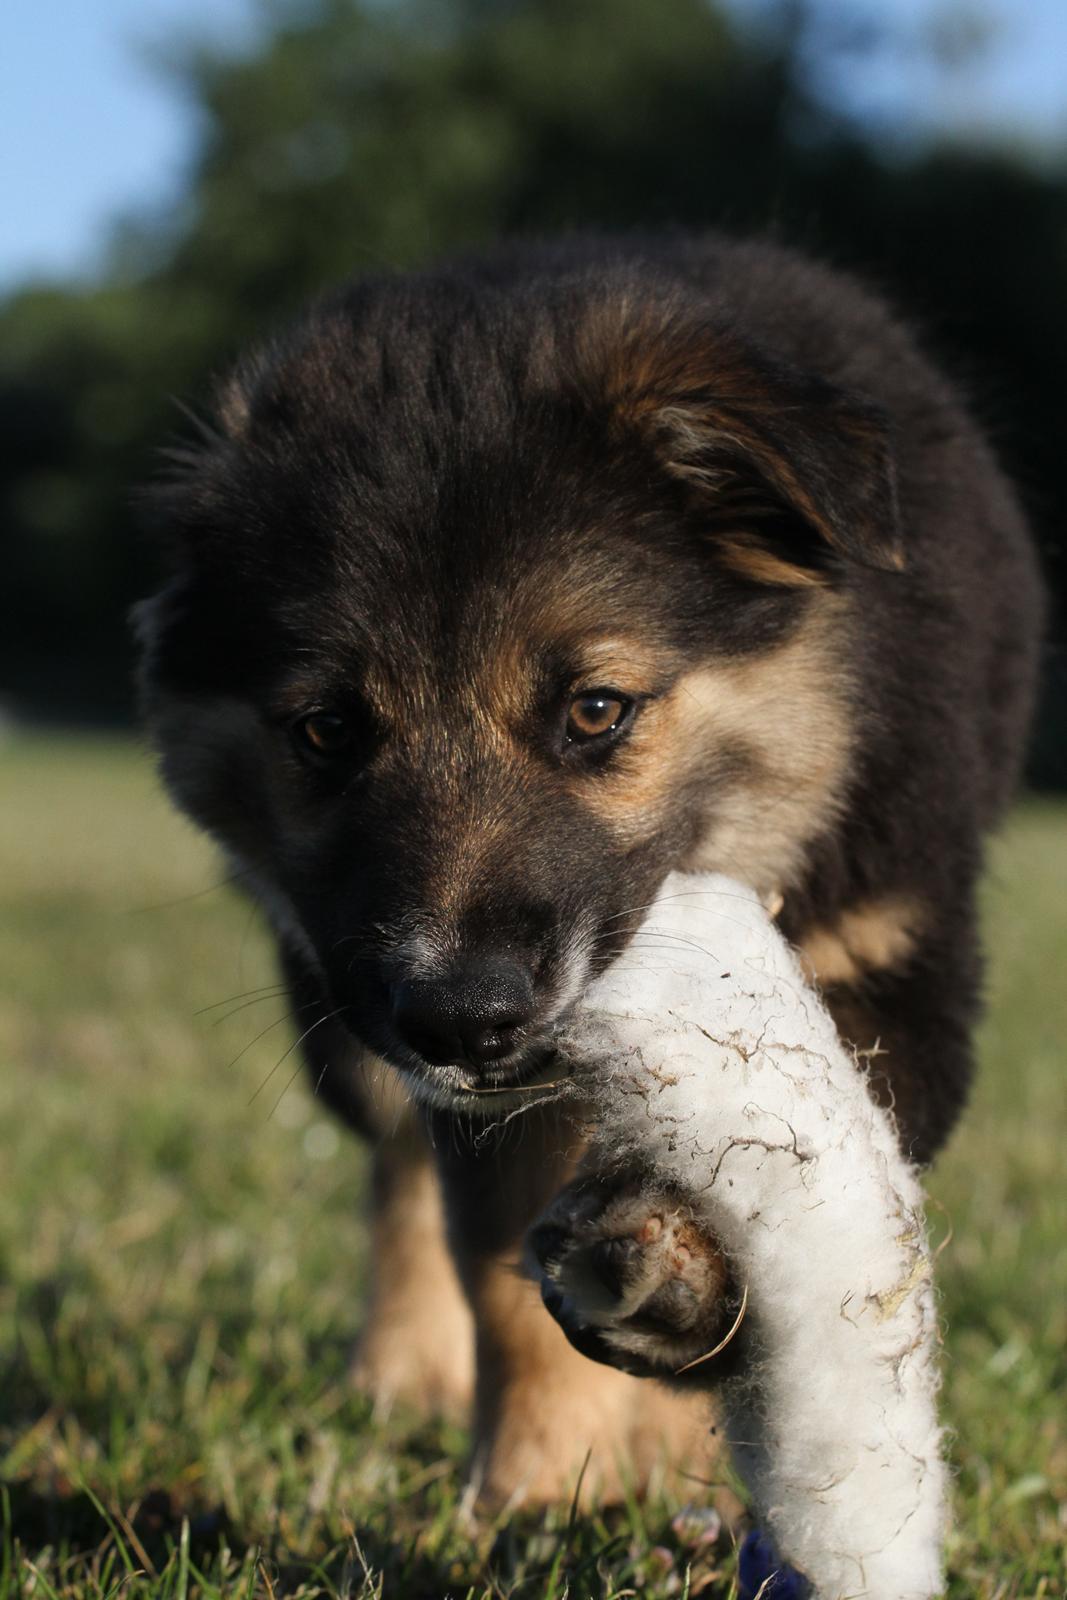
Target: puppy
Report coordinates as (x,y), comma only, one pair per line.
(501,591)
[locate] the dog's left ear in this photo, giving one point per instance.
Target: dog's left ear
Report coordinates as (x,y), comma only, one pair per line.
(764,447)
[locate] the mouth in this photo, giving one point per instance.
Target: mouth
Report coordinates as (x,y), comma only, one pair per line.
(537,1075)
(459,1072)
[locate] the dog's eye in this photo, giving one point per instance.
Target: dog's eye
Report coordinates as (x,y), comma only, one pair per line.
(592,716)
(323,735)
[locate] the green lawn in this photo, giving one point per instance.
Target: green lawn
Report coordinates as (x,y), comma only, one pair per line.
(180,1263)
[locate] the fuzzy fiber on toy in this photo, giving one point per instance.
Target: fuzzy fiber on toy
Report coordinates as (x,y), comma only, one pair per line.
(717,1068)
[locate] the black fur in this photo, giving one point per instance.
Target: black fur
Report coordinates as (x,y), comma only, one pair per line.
(419,498)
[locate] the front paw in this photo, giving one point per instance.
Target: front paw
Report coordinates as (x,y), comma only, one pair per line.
(634,1279)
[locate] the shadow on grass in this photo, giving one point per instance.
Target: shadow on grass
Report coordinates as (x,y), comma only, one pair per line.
(64,1531)
(65,1516)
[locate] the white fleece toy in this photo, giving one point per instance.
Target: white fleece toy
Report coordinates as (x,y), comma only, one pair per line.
(717,1069)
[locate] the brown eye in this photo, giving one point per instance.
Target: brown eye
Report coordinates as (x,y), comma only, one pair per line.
(591,716)
(323,735)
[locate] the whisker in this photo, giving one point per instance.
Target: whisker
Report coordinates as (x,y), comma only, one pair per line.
(286,1016)
(722,916)
(271,994)
(366,941)
(520,1088)
(195,894)
(288,1086)
(639,934)
(672,938)
(264,988)
(680,894)
(640,949)
(285,1055)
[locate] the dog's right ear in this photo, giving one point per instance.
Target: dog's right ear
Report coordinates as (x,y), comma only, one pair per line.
(177,633)
(183,507)
(148,618)
(187,511)
(779,463)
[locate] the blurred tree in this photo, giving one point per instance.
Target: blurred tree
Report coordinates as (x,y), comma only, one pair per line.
(367,134)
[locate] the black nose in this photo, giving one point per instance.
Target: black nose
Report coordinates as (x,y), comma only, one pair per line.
(470,1016)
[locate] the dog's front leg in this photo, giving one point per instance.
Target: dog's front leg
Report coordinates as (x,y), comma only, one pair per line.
(543,1412)
(417,1344)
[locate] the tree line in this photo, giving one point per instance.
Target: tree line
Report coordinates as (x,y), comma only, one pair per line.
(356,134)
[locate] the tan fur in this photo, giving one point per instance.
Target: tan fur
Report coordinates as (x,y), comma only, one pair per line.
(784,714)
(743,554)
(459,854)
(417,1346)
(471,839)
(617,354)
(645,772)
(789,710)
(642,360)
(700,399)
(543,1411)
(620,663)
(540,1408)
(232,408)
(874,937)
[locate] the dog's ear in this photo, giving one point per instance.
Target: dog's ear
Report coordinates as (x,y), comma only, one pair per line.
(772,456)
(189,500)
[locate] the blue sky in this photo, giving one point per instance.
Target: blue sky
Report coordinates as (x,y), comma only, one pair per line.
(89,130)
(89,127)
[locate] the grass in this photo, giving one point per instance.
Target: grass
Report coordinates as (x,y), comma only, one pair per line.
(180,1264)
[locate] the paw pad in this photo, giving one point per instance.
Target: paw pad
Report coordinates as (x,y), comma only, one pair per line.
(632,1276)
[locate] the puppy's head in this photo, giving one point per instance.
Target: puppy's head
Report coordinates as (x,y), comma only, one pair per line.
(490,609)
